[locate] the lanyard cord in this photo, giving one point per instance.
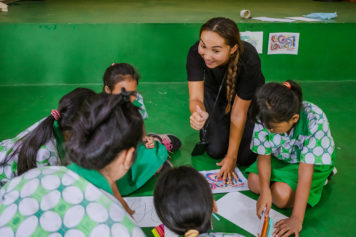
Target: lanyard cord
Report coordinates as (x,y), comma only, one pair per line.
(214,106)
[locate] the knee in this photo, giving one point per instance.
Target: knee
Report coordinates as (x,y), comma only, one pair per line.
(282,195)
(216,151)
(253,183)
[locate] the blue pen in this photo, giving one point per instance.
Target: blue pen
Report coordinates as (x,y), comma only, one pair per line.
(216,217)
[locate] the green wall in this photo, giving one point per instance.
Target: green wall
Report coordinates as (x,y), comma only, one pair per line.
(79,53)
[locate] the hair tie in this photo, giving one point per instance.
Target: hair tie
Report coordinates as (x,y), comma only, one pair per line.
(191,233)
(55,113)
(113,64)
(287,84)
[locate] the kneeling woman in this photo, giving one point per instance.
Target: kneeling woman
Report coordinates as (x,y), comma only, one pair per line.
(223,75)
(80,199)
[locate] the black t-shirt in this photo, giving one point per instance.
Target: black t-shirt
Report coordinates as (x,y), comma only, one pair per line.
(249,75)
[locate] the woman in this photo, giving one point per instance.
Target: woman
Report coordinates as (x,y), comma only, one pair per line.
(81,199)
(220,61)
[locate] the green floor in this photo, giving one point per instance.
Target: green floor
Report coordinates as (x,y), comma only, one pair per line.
(46,46)
(333,216)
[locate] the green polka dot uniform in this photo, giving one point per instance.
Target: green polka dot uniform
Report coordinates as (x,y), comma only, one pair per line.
(55,201)
(139,103)
(219,235)
(47,155)
(310,141)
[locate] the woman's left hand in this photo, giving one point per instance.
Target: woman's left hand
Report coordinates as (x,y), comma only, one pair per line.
(227,171)
(287,227)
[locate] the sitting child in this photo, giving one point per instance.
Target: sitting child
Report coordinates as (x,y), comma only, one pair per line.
(184,202)
(42,143)
(152,156)
(295,153)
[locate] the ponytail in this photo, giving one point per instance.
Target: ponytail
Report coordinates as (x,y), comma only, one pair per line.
(31,143)
(28,146)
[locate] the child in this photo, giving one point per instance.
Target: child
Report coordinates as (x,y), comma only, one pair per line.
(79,200)
(151,155)
(295,153)
(41,144)
(184,202)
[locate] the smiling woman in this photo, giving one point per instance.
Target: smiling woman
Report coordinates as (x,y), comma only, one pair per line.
(223,75)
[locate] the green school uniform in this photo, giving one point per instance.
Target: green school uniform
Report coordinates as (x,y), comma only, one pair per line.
(61,201)
(310,142)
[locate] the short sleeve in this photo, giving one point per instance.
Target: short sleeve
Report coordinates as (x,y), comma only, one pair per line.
(260,142)
(141,106)
(250,76)
(318,148)
(194,64)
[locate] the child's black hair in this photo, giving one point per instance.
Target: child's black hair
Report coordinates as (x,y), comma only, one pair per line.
(274,102)
(183,200)
(28,146)
(107,125)
(118,72)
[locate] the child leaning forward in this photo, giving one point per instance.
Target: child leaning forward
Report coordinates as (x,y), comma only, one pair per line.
(295,153)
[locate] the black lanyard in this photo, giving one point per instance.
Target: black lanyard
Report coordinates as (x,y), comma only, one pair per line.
(214,106)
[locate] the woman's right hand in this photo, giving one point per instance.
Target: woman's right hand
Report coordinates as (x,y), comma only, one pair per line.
(198,118)
(264,202)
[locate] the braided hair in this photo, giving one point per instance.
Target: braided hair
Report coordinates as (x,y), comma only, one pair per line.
(229,31)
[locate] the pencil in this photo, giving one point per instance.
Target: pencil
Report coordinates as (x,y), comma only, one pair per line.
(216,217)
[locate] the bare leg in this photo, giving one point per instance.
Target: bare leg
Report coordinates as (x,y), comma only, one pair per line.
(282,195)
(254,183)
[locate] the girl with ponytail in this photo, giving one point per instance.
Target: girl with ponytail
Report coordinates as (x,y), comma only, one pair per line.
(42,143)
(223,75)
(295,153)
(80,199)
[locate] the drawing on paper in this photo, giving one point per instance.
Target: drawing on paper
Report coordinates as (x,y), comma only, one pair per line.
(254,38)
(218,185)
(283,43)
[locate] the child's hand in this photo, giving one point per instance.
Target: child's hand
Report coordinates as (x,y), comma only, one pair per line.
(198,118)
(264,202)
(149,142)
(287,227)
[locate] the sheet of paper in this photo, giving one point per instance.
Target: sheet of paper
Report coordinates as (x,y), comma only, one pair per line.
(283,43)
(169,233)
(218,186)
(300,18)
(263,18)
(253,37)
(241,210)
(145,213)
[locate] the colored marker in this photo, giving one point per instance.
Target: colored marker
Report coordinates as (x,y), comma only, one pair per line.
(216,217)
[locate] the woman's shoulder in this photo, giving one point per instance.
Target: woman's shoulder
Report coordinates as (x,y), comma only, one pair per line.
(249,54)
(315,116)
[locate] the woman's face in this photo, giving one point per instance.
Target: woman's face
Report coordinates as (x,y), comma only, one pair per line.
(129,84)
(213,49)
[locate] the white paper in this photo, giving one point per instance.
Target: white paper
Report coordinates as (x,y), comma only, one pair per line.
(241,210)
(255,38)
(145,214)
(300,18)
(283,43)
(218,186)
(169,233)
(263,18)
